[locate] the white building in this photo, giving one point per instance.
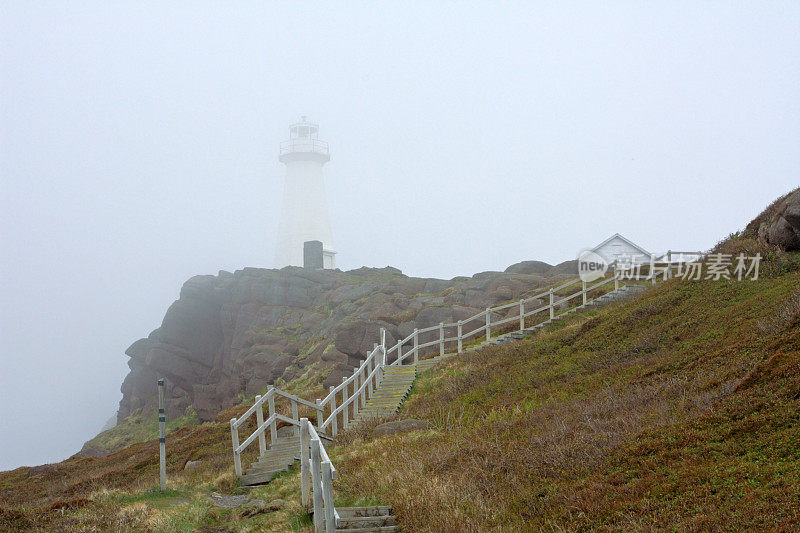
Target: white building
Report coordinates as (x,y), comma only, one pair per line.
(304,215)
(618,247)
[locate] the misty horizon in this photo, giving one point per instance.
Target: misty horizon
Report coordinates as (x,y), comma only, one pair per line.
(139,147)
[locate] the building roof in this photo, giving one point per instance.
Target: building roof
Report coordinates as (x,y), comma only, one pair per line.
(618,236)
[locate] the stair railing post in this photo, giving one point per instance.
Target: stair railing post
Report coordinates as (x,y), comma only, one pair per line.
(316,486)
(416,346)
(327,498)
(237,457)
(334,425)
(295,416)
(262,438)
(488,324)
(363,374)
(355,396)
(522,314)
(304,466)
(273,427)
(383,346)
(345,407)
(441,338)
(460,337)
(320,417)
(552,304)
(583,290)
(373,364)
(399,352)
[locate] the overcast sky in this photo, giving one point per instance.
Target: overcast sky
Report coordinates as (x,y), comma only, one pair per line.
(139,147)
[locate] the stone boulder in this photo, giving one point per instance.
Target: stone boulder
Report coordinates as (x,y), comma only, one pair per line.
(784,228)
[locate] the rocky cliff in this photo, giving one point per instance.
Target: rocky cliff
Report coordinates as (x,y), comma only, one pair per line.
(234,334)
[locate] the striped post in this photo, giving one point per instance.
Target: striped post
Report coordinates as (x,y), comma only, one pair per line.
(162,437)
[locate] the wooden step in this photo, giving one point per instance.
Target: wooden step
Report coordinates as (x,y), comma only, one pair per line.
(366,521)
(258,478)
(384,529)
(370,510)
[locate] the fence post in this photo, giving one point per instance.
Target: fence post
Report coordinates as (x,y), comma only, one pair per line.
(363,374)
(399,352)
(295,415)
(416,345)
(552,307)
(488,324)
(319,521)
(345,409)
(304,481)
(522,314)
(237,458)
(273,427)
(162,437)
(354,396)
(327,498)
(583,290)
(262,439)
(334,424)
(460,337)
(616,281)
(441,338)
(320,418)
(383,346)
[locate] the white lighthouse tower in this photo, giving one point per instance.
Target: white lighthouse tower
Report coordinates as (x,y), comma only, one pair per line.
(304,216)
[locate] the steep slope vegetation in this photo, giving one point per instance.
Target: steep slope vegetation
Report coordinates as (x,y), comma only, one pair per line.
(680,409)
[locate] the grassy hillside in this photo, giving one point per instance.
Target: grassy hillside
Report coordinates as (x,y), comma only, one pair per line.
(679,409)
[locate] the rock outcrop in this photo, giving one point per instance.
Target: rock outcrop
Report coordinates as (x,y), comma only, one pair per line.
(236,333)
(783,226)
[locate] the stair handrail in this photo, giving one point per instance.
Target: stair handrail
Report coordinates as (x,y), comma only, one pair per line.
(316,479)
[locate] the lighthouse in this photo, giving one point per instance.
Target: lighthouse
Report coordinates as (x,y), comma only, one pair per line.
(304,215)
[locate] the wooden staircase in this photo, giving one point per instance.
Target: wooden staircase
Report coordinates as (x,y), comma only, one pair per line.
(389,396)
(279,457)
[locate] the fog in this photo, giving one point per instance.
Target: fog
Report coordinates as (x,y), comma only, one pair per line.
(139,147)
